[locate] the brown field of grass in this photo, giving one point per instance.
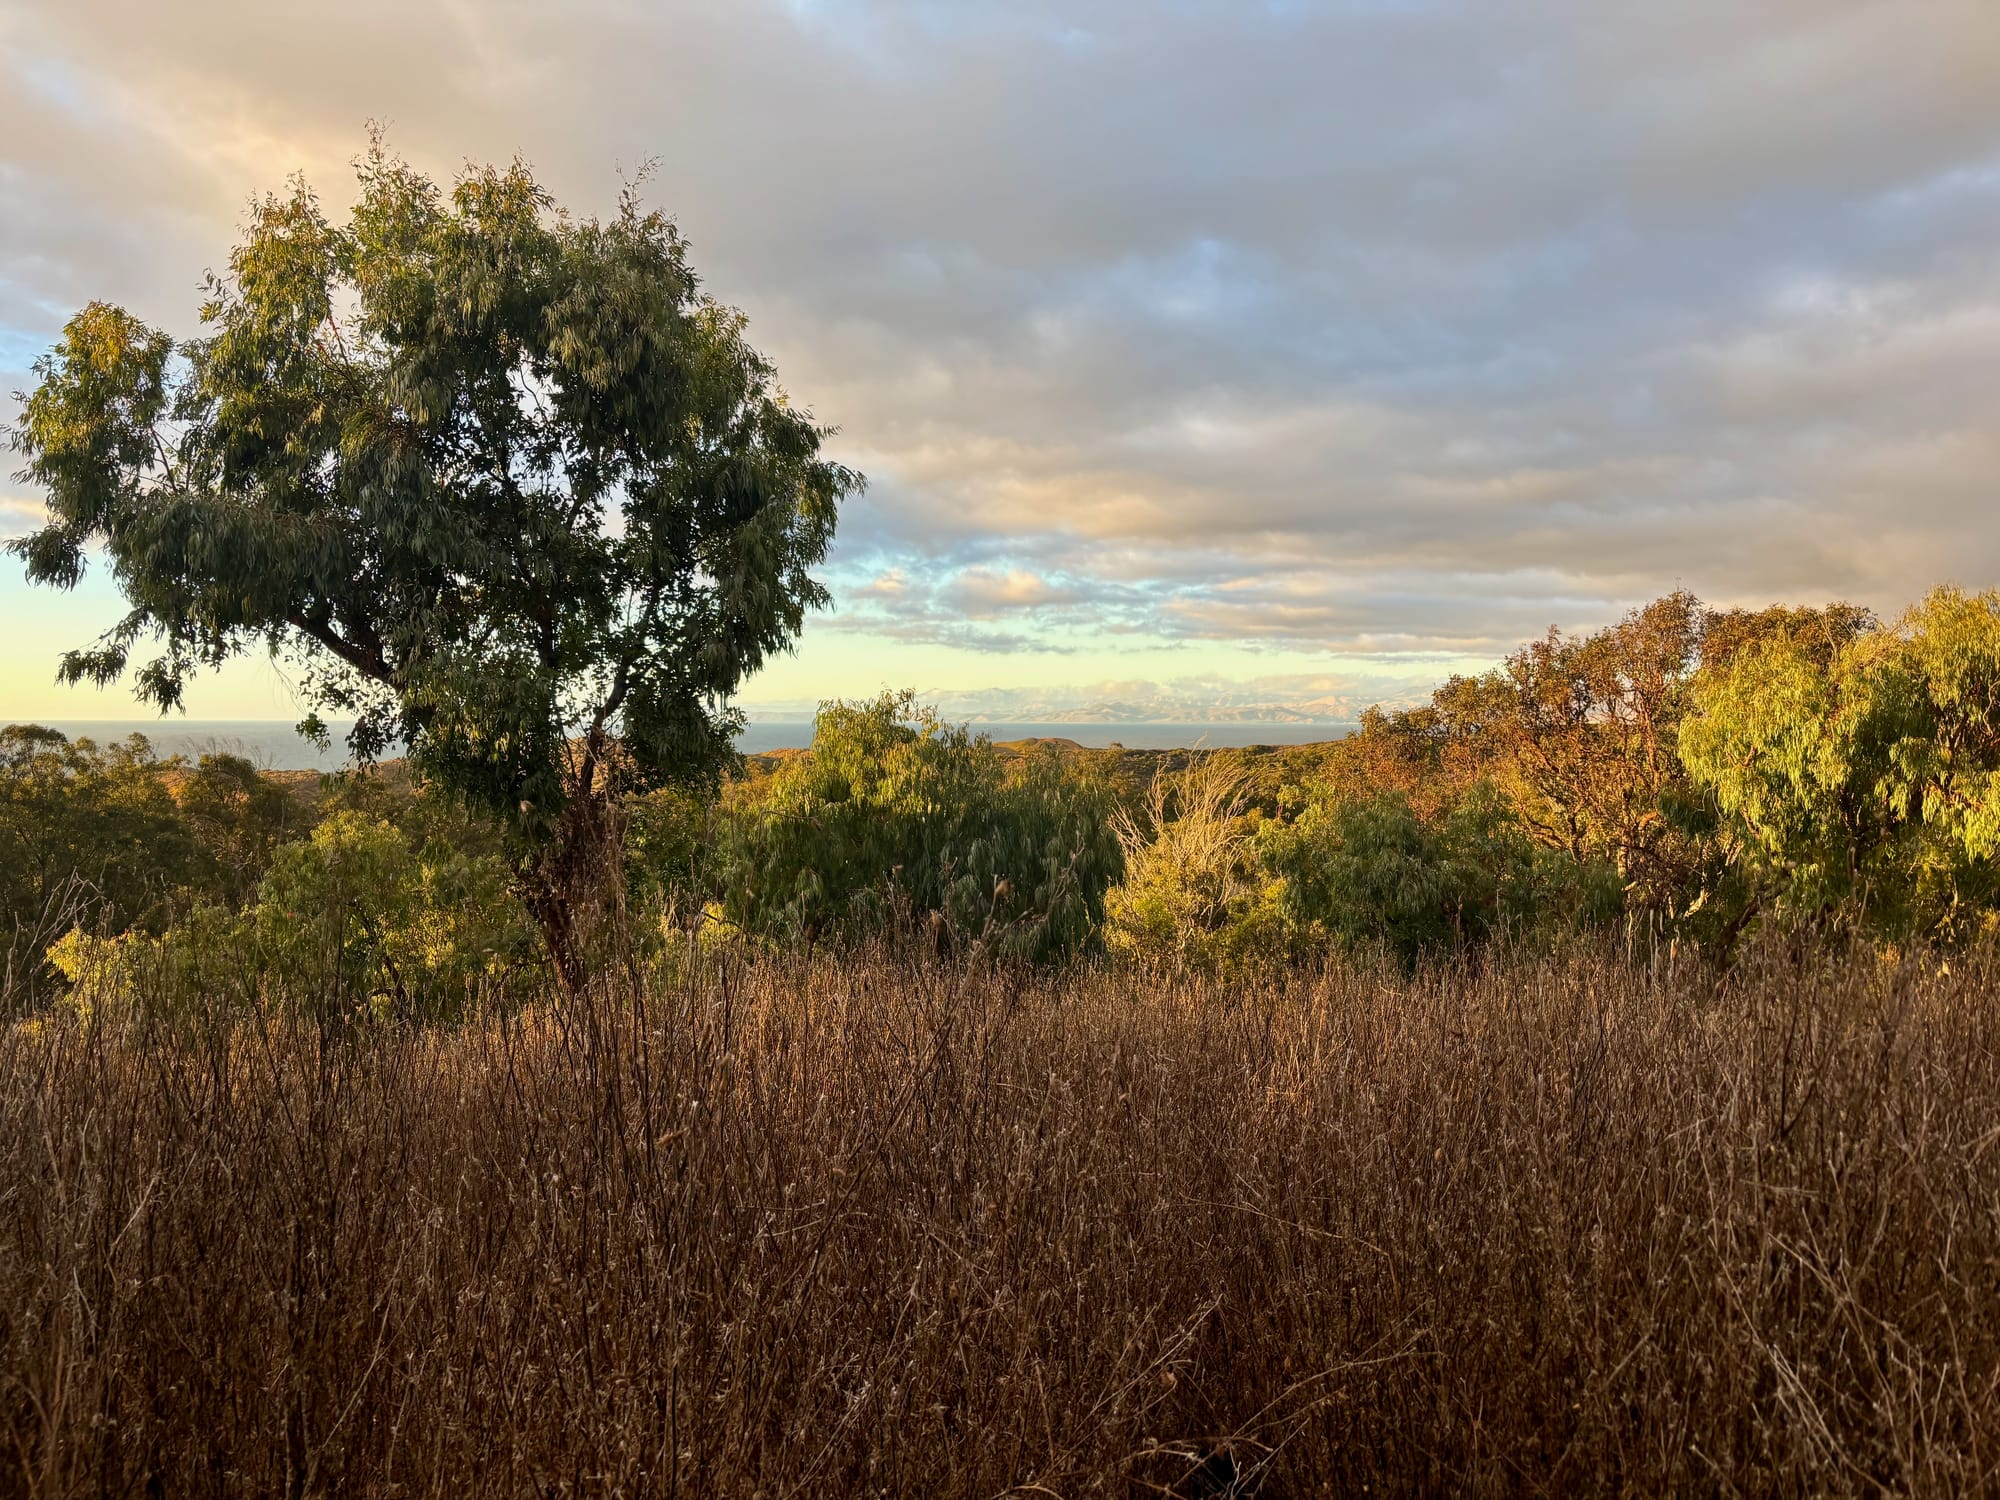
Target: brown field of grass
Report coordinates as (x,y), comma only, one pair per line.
(866,1226)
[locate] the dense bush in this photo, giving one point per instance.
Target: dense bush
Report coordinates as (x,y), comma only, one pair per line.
(1689,771)
(1195,894)
(112,839)
(1364,873)
(98,817)
(1214,885)
(894,814)
(1725,767)
(121,874)
(358,915)
(352,921)
(1864,779)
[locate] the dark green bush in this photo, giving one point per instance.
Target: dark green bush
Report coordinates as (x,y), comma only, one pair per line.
(895,815)
(1369,872)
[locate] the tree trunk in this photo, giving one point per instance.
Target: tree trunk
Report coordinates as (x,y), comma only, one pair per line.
(575,887)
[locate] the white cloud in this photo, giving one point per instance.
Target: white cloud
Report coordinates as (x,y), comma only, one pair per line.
(981,593)
(20,514)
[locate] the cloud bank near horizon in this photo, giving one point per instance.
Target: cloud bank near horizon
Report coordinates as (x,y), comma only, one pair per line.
(1187,343)
(1324,698)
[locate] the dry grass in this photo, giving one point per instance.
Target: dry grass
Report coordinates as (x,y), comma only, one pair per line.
(823,1227)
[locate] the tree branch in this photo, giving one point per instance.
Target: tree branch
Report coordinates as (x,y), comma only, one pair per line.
(369,664)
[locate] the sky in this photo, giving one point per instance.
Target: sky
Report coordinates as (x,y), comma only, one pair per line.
(1206,358)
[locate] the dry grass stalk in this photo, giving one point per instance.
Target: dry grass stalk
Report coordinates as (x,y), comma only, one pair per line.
(867,1226)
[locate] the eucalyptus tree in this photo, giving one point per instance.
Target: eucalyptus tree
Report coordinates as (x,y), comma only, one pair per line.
(502,483)
(1864,774)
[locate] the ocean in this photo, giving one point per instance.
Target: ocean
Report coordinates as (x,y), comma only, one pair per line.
(777,736)
(274,746)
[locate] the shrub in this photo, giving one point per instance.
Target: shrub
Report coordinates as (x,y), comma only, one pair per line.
(1867,778)
(669,849)
(1194,893)
(1368,872)
(897,815)
(89,834)
(238,819)
(356,917)
(202,972)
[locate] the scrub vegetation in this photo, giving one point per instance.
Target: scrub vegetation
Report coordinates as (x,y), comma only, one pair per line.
(872,1223)
(1582,1081)
(1500,1099)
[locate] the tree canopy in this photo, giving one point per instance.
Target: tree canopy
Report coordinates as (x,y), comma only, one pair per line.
(1864,773)
(502,482)
(897,813)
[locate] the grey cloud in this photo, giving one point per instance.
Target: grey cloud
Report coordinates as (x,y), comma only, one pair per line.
(1380,327)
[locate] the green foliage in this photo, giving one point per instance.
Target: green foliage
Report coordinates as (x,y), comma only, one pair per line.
(149,887)
(1194,893)
(1579,737)
(1213,886)
(197,973)
(503,481)
(894,814)
(358,916)
(98,814)
(1867,777)
(669,849)
(238,819)
(1687,770)
(88,834)
(352,921)
(1371,873)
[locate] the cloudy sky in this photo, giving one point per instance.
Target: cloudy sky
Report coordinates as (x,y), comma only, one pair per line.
(1205,356)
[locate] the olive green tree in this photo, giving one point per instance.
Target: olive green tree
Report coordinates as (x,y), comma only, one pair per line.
(897,814)
(502,482)
(1867,776)
(89,834)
